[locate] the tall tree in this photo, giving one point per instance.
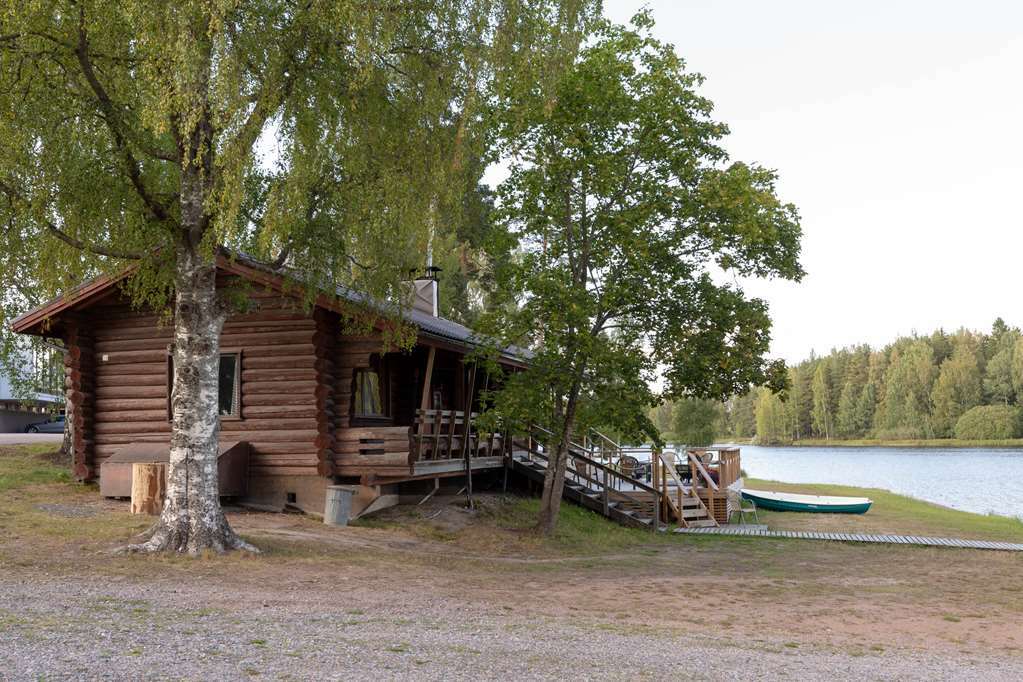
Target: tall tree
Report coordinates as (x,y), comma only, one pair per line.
(770,414)
(822,414)
(622,199)
(130,133)
(906,400)
(957,388)
(695,421)
(847,417)
(998,379)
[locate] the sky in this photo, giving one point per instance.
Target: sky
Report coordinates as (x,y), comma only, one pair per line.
(896,128)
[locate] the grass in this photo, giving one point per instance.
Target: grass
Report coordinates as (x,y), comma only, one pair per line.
(27,465)
(908,443)
(505,525)
(890,514)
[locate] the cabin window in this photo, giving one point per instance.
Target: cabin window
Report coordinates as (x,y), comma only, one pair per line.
(229,403)
(370,395)
(368,399)
(229,381)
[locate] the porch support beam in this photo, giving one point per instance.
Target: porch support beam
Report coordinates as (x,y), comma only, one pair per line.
(424,403)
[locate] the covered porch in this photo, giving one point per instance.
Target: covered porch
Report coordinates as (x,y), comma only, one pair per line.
(414,416)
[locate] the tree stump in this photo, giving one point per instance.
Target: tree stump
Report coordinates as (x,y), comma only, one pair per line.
(148,487)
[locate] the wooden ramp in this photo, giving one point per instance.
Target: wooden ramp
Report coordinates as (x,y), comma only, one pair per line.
(759,532)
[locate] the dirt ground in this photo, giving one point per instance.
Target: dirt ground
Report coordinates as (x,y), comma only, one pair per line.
(438,592)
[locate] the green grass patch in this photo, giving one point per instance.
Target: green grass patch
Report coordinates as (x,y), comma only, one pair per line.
(28,465)
(891,514)
(578,531)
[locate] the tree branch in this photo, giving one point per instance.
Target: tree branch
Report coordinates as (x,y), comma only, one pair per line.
(15,196)
(114,124)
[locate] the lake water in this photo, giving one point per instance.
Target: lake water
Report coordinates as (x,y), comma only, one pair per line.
(975,480)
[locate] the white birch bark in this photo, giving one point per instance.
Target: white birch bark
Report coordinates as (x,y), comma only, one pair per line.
(192,520)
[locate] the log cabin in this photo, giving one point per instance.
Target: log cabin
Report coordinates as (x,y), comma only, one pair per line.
(303,405)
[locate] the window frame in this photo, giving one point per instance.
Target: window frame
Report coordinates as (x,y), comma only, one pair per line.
(237,414)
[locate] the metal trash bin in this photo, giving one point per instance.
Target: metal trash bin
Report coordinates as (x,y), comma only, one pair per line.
(338,507)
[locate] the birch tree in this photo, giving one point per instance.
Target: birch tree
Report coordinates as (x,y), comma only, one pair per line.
(320,134)
(622,201)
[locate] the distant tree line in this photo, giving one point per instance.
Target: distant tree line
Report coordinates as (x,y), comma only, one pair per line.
(966,385)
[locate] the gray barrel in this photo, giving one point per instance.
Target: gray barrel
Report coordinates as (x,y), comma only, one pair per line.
(338,507)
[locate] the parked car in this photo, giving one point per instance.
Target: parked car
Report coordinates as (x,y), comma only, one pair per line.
(55,425)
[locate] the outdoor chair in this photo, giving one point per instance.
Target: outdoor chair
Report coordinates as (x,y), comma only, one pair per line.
(741,506)
(629,465)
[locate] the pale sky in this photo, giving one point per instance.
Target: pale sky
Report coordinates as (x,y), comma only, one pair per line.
(897,129)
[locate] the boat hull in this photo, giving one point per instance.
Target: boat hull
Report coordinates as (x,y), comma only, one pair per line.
(775,504)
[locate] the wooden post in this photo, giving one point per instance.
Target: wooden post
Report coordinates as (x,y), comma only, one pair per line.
(424,403)
(607,499)
(148,487)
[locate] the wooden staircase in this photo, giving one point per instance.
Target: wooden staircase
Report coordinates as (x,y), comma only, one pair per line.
(595,482)
(620,507)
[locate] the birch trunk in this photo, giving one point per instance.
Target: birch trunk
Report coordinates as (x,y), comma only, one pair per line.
(192,520)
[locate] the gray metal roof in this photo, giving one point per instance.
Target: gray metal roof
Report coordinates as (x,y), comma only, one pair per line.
(438,327)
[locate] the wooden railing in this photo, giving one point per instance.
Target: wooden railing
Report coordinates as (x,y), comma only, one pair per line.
(605,477)
(664,472)
(445,434)
(729,468)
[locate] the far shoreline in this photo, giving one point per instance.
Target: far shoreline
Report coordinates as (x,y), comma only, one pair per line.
(935,443)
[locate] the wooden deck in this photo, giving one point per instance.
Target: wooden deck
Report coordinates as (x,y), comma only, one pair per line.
(953,543)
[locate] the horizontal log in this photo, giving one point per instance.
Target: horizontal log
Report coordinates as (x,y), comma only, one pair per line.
(132,391)
(143,368)
(133,356)
(130,415)
(104,332)
(113,379)
(276,387)
(280,349)
(302,437)
(393,459)
(273,338)
(247,424)
(373,432)
(301,361)
(268,316)
(123,438)
(274,448)
(118,404)
(294,459)
(281,374)
(148,427)
(121,345)
(282,471)
(280,412)
(277,399)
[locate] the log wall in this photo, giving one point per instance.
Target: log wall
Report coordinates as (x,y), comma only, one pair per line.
(279,380)
(296,389)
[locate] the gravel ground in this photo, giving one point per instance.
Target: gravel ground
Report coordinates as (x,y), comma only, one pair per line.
(116,629)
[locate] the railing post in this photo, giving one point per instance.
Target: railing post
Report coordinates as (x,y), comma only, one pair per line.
(607,499)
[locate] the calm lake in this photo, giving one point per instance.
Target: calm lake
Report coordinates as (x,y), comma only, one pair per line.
(975,480)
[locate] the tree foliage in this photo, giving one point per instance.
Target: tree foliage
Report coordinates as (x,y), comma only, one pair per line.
(916,387)
(695,421)
(328,137)
(990,422)
(622,200)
